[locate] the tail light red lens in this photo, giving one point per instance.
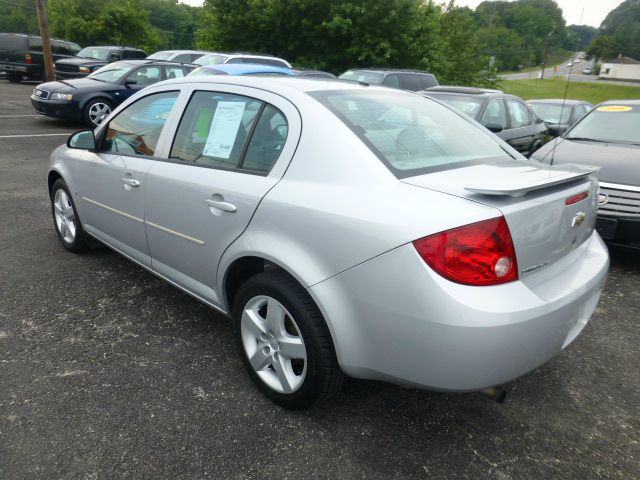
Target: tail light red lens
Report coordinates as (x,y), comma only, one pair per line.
(27,58)
(478,254)
(576,198)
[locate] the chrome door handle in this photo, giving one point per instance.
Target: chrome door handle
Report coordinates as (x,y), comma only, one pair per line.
(130,182)
(221,205)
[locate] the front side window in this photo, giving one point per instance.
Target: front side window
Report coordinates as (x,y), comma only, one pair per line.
(221,130)
(392,80)
(146,75)
(136,130)
(175,72)
(411,134)
(518,114)
(495,115)
(211,60)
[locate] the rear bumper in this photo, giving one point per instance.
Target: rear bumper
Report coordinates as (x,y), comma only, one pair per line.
(619,230)
(394,319)
(58,109)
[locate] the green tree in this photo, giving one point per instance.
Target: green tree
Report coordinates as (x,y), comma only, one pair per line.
(18,16)
(619,33)
(329,34)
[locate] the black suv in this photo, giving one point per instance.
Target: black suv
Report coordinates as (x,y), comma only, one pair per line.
(413,80)
(21,55)
(92,58)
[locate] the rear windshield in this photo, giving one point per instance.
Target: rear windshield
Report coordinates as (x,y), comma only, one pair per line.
(200,71)
(211,60)
(609,123)
(160,56)
(97,53)
(411,134)
(463,103)
(362,76)
(553,114)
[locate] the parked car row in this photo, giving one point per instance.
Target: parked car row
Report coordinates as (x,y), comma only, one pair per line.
(268,241)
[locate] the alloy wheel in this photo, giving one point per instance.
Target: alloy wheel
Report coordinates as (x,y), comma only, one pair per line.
(64,216)
(273,344)
(98,112)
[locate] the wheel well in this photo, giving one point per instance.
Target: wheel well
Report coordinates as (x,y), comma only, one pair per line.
(51,179)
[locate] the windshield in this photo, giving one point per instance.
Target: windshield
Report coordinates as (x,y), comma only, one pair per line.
(97,53)
(550,112)
(463,103)
(205,71)
(360,76)
(160,56)
(211,60)
(113,73)
(411,134)
(609,123)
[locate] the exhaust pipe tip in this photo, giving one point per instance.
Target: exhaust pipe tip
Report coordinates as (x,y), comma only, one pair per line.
(496,394)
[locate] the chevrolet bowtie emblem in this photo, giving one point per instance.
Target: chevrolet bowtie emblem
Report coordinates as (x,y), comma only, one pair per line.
(578,219)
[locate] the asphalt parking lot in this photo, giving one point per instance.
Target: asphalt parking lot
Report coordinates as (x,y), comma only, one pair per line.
(108,372)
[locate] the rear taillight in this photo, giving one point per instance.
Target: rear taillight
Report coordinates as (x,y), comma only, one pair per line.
(27,58)
(576,198)
(477,254)
(84,69)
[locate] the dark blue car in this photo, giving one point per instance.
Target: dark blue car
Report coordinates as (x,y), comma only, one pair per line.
(91,99)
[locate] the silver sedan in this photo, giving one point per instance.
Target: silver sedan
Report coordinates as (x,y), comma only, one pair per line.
(347,230)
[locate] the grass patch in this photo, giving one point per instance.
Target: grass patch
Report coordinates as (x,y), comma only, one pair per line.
(593,92)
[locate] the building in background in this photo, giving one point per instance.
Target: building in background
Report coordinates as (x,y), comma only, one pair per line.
(621,68)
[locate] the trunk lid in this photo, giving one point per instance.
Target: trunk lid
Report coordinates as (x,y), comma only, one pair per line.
(532,198)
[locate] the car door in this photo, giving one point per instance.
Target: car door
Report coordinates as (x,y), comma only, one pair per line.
(521,132)
(229,150)
(111,181)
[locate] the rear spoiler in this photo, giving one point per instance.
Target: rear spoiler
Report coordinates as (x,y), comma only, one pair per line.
(533,178)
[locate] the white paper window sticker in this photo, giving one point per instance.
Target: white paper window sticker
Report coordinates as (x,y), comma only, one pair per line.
(224,129)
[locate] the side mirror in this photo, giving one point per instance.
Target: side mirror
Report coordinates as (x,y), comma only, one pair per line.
(130,81)
(539,120)
(82,140)
(494,127)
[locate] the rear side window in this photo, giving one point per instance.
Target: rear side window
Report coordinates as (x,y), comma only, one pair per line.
(35,44)
(182,58)
(12,42)
(495,114)
(214,129)
(175,72)
(220,130)
(392,80)
(64,48)
(428,81)
(518,114)
(136,130)
(410,81)
(409,133)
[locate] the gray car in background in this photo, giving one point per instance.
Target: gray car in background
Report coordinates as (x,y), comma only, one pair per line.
(559,114)
(345,229)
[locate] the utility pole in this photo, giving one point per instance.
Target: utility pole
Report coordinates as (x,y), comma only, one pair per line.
(546,53)
(46,44)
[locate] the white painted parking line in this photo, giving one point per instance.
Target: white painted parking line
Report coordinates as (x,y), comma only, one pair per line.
(37,135)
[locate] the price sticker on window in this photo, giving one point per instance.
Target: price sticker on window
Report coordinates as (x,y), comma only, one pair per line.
(224,129)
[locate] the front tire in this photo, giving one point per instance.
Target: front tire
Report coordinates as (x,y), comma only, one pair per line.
(95,111)
(66,220)
(284,342)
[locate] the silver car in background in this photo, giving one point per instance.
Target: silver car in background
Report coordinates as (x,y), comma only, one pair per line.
(346,229)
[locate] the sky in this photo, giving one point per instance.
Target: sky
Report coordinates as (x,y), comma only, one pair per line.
(594,10)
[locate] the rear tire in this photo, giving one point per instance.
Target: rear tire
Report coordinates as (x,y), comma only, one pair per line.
(293,359)
(66,220)
(14,77)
